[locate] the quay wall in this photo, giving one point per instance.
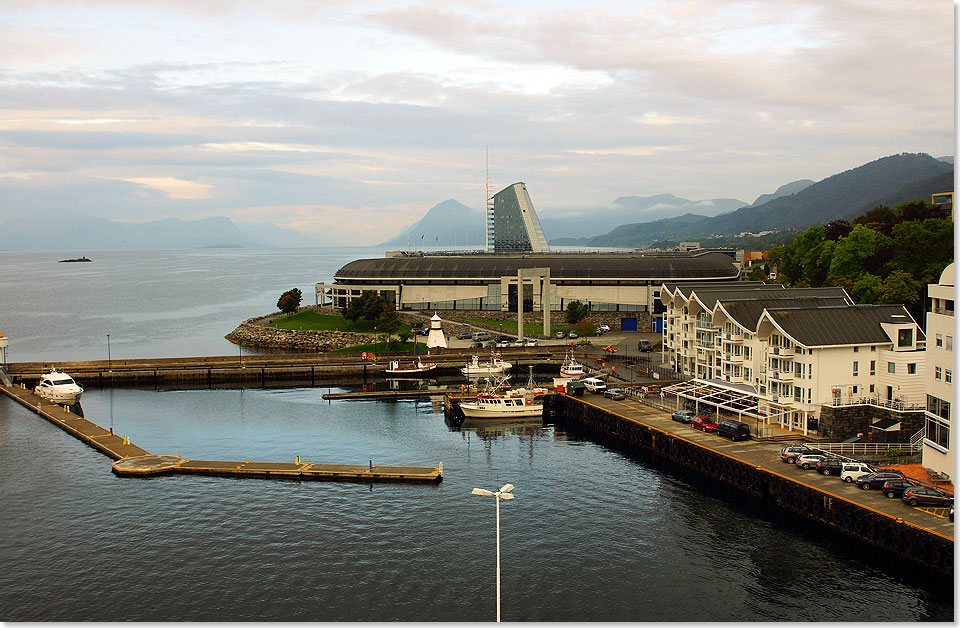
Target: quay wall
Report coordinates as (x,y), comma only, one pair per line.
(905,544)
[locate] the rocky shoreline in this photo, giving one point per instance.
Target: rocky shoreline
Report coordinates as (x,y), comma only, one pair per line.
(254,332)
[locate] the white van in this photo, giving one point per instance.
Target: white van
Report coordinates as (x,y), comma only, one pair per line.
(594,385)
(852,470)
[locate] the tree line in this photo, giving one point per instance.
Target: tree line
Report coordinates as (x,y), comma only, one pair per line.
(886,255)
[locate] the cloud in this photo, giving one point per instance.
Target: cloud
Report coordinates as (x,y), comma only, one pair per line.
(175,188)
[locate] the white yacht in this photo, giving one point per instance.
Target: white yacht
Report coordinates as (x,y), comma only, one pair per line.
(512,403)
(494,367)
(59,388)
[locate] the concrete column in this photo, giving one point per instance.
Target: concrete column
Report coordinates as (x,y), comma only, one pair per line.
(547,299)
(520,304)
(504,294)
(318,293)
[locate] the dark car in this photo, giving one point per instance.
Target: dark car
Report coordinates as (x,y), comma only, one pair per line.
(927,496)
(644,345)
(703,423)
(895,488)
(878,479)
(465,335)
(682,416)
(476,343)
(425,331)
(734,430)
(830,466)
(615,394)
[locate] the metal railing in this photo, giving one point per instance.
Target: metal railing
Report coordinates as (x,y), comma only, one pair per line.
(853,450)
(899,404)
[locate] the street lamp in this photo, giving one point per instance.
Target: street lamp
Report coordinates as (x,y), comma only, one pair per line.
(109,361)
(505,493)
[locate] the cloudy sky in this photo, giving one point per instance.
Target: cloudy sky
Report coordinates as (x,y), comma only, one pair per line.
(350,119)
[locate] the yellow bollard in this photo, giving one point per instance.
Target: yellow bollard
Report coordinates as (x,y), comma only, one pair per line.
(126,441)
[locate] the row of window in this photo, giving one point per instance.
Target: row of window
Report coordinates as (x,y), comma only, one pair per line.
(891,368)
(945,374)
(945,342)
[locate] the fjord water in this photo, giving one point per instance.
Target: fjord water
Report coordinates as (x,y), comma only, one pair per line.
(592,536)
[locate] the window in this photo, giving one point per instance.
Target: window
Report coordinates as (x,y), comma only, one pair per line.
(856,365)
(911,368)
(949,343)
(905,338)
(872,388)
(891,367)
(937,432)
(873,348)
(873,367)
(939,339)
(937,372)
(856,349)
(948,376)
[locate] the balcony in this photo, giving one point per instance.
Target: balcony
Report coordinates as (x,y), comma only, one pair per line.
(783,351)
(731,358)
(781,376)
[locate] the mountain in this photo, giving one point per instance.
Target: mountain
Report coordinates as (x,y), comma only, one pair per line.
(448,223)
(784,190)
(629,209)
(57,230)
(281,237)
(889,180)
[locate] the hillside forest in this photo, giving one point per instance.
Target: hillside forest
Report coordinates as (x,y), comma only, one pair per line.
(886,255)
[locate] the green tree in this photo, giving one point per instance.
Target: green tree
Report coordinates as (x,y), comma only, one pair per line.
(865,288)
(899,287)
(919,244)
(369,305)
(290,300)
(585,327)
(854,254)
(576,310)
(389,322)
(880,219)
(757,273)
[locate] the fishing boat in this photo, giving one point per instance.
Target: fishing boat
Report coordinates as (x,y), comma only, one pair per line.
(59,388)
(518,402)
(413,369)
(572,368)
(494,367)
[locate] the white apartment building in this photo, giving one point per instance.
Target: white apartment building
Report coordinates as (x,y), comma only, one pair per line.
(938,435)
(775,355)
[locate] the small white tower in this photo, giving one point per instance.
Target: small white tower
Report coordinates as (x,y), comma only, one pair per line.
(436,337)
(3,350)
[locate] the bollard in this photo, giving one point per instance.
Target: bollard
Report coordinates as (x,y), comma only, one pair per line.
(111,431)
(371,464)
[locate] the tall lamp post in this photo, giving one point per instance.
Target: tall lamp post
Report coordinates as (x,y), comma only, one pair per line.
(505,493)
(109,361)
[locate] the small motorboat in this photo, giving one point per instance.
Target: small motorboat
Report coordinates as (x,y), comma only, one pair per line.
(59,388)
(413,369)
(76,259)
(572,368)
(494,367)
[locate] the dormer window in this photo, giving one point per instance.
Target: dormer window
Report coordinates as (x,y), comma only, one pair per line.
(905,338)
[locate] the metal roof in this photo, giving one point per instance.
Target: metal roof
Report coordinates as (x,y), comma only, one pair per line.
(562,266)
(840,325)
(746,310)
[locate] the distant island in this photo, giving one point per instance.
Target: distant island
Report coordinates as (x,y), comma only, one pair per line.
(221,246)
(76,259)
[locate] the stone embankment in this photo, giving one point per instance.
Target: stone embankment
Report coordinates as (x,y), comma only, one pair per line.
(254,332)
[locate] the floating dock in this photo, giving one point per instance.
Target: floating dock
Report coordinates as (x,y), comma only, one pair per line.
(133,461)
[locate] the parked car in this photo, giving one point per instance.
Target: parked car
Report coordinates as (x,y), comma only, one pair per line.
(734,430)
(809,461)
(476,343)
(830,466)
(481,335)
(927,496)
(599,332)
(790,453)
(895,488)
(644,345)
(853,470)
(615,393)
(877,479)
(560,334)
(682,416)
(604,328)
(465,335)
(572,334)
(703,423)
(425,331)
(532,342)
(594,384)
(490,343)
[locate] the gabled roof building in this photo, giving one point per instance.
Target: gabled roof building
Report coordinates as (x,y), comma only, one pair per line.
(784,353)
(938,451)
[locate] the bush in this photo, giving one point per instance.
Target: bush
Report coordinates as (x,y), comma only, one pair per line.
(576,310)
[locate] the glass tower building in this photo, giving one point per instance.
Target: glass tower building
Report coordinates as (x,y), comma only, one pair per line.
(513,223)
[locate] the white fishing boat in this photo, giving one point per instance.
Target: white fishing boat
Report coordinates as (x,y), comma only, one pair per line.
(413,369)
(518,402)
(572,368)
(59,388)
(494,367)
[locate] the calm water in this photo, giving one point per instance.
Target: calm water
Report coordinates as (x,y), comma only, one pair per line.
(592,535)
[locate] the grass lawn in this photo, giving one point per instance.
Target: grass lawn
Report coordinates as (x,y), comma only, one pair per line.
(311,321)
(510,327)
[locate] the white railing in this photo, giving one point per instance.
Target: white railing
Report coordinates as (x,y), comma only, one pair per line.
(854,450)
(899,405)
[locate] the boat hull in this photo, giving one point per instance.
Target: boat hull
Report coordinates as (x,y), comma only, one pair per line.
(472,411)
(59,397)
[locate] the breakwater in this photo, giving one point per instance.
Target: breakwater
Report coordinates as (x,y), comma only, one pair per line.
(908,545)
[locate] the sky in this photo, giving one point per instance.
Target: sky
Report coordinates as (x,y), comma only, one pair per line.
(349,120)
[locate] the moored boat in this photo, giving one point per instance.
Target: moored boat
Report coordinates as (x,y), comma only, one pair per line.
(59,388)
(494,367)
(518,402)
(413,369)
(572,368)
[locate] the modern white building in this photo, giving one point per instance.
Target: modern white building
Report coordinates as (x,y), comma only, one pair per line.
(775,355)
(938,433)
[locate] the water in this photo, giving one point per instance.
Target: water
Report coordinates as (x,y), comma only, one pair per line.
(592,535)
